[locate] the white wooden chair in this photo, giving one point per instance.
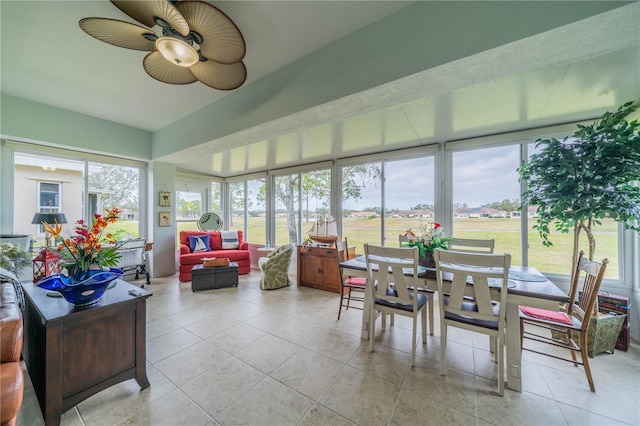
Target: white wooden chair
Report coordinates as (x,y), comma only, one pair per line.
(393,288)
(469,245)
(484,277)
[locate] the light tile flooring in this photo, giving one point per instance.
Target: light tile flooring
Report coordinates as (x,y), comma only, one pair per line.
(243,356)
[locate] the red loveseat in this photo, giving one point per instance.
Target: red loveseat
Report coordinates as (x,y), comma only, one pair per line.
(188,260)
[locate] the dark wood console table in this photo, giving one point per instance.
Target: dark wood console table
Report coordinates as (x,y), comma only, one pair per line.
(73,353)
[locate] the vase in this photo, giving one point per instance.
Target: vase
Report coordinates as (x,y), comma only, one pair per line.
(84,288)
(427,260)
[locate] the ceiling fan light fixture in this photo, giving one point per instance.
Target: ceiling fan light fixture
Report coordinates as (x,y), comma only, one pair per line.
(177,52)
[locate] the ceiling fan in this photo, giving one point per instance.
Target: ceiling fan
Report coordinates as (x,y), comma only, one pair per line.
(198,42)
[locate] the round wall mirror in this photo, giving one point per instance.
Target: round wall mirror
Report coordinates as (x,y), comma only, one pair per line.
(210,222)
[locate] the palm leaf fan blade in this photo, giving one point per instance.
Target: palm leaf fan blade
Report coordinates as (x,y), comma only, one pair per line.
(162,70)
(145,12)
(118,33)
(220,76)
(222,40)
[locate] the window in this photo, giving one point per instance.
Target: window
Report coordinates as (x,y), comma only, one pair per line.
(188,209)
(392,196)
(247,209)
(300,198)
(408,196)
(112,185)
(49,198)
(362,204)
(236,191)
(216,197)
(78,185)
(44,183)
(486,197)
(256,214)
(287,208)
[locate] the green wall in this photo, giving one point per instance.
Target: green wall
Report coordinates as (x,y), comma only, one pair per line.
(29,121)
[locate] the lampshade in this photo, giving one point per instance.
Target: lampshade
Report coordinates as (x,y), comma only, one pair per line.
(50,218)
(177,51)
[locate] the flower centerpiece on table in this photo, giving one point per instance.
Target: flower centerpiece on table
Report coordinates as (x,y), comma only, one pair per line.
(428,237)
(88,260)
(86,249)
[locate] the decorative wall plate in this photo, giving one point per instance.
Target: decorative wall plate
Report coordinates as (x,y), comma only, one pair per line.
(210,222)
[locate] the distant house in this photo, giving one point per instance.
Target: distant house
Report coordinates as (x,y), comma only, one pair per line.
(413,214)
(363,214)
(532,212)
(478,212)
(460,213)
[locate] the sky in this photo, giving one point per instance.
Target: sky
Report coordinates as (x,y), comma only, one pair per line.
(479,177)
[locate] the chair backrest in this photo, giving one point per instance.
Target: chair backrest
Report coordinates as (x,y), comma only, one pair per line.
(341,250)
(392,268)
(468,245)
(593,272)
(476,275)
(342,254)
(403,240)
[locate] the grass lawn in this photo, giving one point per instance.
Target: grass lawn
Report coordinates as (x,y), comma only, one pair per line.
(506,233)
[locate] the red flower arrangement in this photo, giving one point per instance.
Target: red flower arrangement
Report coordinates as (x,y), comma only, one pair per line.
(430,236)
(85,250)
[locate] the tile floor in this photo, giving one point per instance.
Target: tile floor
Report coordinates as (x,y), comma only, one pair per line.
(243,356)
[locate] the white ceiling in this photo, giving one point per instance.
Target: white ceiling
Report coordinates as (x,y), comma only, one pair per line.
(46,57)
(566,74)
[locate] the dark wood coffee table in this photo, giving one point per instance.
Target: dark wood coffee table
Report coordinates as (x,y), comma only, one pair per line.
(214,277)
(73,353)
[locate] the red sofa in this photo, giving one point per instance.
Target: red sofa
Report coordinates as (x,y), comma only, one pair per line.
(187,259)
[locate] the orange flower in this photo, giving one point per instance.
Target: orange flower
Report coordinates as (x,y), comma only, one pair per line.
(54,231)
(84,250)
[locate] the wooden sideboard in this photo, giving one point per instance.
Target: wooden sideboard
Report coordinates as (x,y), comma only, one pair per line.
(318,267)
(73,353)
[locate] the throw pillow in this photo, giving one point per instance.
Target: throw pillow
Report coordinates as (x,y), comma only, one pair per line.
(199,243)
(230,240)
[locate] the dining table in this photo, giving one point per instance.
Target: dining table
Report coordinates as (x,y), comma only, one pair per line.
(527,286)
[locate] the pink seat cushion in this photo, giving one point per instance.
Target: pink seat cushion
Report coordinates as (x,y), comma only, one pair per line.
(357,281)
(546,315)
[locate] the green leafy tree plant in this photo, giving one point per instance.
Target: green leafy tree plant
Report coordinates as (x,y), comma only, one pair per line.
(580,180)
(13,258)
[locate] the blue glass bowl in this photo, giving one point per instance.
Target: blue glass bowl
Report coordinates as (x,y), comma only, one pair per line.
(82,289)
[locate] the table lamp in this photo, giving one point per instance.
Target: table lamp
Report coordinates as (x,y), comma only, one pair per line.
(50,218)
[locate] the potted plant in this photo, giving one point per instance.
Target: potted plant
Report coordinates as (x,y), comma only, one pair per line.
(428,238)
(13,258)
(580,180)
(88,258)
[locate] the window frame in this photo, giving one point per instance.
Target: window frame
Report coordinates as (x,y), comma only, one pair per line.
(10,148)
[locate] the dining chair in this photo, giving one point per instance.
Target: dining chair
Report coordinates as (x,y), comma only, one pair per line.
(403,240)
(573,324)
(349,284)
(469,245)
(393,288)
(485,278)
